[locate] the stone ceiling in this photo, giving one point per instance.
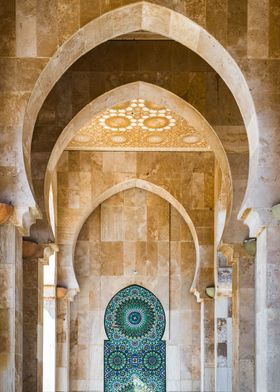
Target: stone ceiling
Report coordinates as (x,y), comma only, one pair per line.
(138,125)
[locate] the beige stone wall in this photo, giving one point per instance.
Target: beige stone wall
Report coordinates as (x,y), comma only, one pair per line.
(134,230)
(135,237)
(30,32)
(164,63)
(43,26)
(84,176)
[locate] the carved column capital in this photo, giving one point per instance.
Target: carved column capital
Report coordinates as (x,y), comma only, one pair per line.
(42,252)
(23,218)
(258,219)
(66,293)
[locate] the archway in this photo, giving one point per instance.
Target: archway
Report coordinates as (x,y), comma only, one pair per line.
(156,19)
(129,184)
(159,96)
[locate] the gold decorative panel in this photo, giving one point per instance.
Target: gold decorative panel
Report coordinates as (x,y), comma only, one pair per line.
(138,125)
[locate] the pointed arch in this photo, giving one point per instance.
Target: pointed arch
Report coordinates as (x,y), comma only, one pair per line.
(157,95)
(149,187)
(155,19)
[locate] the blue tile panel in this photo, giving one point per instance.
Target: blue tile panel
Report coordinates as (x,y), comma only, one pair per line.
(134,354)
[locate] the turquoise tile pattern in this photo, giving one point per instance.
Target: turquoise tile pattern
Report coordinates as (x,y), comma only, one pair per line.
(134,354)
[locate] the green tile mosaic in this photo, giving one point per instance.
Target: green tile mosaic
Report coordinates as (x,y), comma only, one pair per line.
(134,354)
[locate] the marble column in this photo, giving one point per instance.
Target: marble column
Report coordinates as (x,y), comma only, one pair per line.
(33,262)
(10,308)
(268,309)
(243,319)
(49,340)
(62,341)
(49,324)
(266,229)
(208,344)
(223,319)
(223,344)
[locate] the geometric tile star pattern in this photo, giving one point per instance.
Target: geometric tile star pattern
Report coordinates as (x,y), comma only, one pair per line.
(139,125)
(134,354)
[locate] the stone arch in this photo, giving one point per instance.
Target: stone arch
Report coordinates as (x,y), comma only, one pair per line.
(156,19)
(150,187)
(159,96)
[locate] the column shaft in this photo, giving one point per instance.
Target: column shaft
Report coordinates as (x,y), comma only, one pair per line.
(63,345)
(10,309)
(32,324)
(244,324)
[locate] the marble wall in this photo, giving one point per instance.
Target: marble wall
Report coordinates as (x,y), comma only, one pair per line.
(30,32)
(179,70)
(84,176)
(135,237)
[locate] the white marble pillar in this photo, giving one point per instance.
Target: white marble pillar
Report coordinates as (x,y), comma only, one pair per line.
(207,346)
(30,324)
(35,256)
(268,309)
(243,321)
(223,319)
(10,309)
(223,344)
(49,326)
(266,228)
(63,342)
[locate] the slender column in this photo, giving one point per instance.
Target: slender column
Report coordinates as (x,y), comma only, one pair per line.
(63,341)
(268,310)
(30,324)
(49,326)
(33,262)
(10,309)
(223,319)
(223,344)
(207,349)
(243,318)
(49,345)
(266,228)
